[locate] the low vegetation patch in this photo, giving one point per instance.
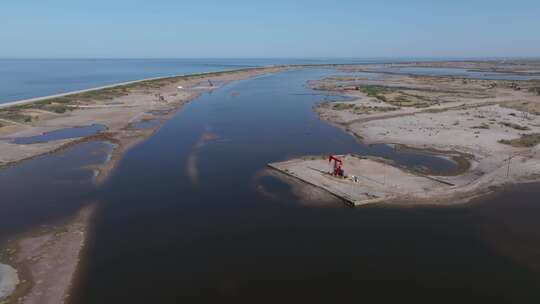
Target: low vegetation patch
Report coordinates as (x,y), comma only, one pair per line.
(523,106)
(342,106)
(16,113)
(408,100)
(535,90)
(525,141)
(395,97)
(515,126)
(59,109)
(375,91)
(402,101)
(369,109)
(482,126)
(103,94)
(15,116)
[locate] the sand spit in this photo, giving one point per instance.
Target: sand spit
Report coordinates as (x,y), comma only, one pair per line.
(115,107)
(192,168)
(47,260)
(495,123)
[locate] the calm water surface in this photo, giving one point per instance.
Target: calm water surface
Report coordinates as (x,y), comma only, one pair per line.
(65,133)
(47,188)
(181,219)
(28,78)
(145,124)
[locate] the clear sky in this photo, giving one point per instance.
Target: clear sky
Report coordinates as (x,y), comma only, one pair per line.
(278,28)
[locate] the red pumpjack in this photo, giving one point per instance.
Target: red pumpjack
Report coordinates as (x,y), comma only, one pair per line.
(338,164)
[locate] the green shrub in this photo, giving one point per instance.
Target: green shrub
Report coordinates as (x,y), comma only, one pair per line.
(525,141)
(515,126)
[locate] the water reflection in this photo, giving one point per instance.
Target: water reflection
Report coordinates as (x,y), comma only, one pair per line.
(48,187)
(159,238)
(65,133)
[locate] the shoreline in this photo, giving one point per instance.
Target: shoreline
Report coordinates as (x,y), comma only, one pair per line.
(478,123)
(347,66)
(31,100)
(427,63)
(25,101)
(121,134)
(138,104)
(46,258)
(115,107)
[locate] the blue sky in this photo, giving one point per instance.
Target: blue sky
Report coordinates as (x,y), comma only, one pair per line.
(278,28)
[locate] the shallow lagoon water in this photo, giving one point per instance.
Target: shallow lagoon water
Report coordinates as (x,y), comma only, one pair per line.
(161,238)
(145,124)
(47,188)
(66,133)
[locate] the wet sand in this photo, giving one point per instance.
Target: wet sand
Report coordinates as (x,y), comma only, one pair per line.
(47,259)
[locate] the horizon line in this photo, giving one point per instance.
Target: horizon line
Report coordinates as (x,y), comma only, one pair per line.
(276,58)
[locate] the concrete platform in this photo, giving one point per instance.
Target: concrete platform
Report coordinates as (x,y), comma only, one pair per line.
(377,181)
